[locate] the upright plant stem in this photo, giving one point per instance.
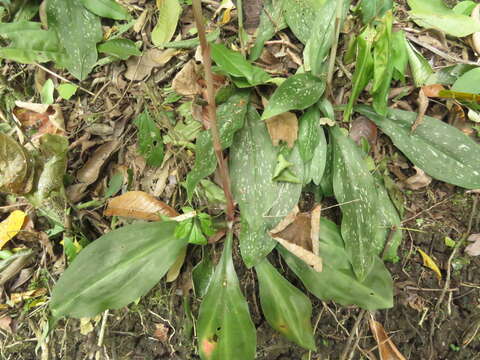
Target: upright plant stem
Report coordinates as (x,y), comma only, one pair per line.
(241,30)
(212,113)
(333,51)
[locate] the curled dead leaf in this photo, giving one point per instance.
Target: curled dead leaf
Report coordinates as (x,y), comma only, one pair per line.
(386,347)
(186,80)
(88,174)
(422,109)
(430,263)
(474,248)
(138,205)
(363,128)
(46,119)
(283,127)
(298,233)
(419,180)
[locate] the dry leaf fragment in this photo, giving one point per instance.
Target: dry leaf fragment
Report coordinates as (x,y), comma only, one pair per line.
(46,119)
(5,322)
(386,347)
(11,226)
(422,109)
(161,332)
(186,80)
(139,67)
(474,248)
(88,174)
(174,270)
(298,233)
(432,90)
(476,36)
(283,127)
(419,180)
(428,262)
(16,298)
(363,128)
(138,205)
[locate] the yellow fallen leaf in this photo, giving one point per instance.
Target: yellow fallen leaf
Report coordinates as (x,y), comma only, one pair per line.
(428,262)
(11,226)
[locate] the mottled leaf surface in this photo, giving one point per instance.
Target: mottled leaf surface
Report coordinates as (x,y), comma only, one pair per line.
(121,48)
(30,44)
(263,202)
(225,329)
(355,191)
(287,309)
(297,92)
(337,281)
(169,13)
(439,149)
(230,118)
(301,16)
(122,266)
(79,31)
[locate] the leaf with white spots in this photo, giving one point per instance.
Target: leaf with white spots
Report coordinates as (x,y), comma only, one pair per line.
(263,202)
(439,149)
(355,191)
(337,281)
(301,15)
(79,31)
(230,118)
(297,92)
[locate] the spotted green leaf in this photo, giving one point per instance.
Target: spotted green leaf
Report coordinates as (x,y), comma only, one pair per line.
(315,169)
(441,150)
(287,309)
(234,64)
(150,143)
(421,69)
(79,31)
(122,266)
(225,329)
(400,55)
(46,94)
(263,202)
(30,44)
(337,281)
(230,117)
(372,9)
(355,191)
(107,8)
(297,92)
(468,82)
(202,274)
(301,16)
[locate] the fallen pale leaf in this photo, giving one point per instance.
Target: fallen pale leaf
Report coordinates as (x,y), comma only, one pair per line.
(474,248)
(138,205)
(5,322)
(432,90)
(428,262)
(161,332)
(298,233)
(283,127)
(186,80)
(46,119)
(174,270)
(422,109)
(11,226)
(16,298)
(476,36)
(386,347)
(86,326)
(139,67)
(419,180)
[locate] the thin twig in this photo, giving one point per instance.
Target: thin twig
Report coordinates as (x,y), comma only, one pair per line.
(449,272)
(358,321)
(207,64)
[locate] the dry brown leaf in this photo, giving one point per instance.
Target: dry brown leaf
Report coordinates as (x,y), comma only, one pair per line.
(419,180)
(422,109)
(5,322)
(16,298)
(386,347)
(161,332)
(363,128)
(138,205)
(139,67)
(476,36)
(474,248)
(186,80)
(432,90)
(283,127)
(298,233)
(88,174)
(46,119)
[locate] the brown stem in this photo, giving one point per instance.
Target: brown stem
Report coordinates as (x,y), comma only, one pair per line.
(212,114)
